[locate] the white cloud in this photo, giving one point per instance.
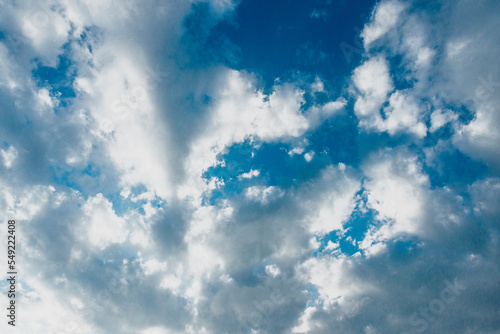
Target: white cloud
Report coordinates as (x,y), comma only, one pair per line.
(318,113)
(486,194)
(152,266)
(372,80)
(130,124)
(101,226)
(309,156)
(148,136)
(272,270)
(44,98)
(480,138)
(46,28)
(374,83)
(436,60)
(9,156)
(25,203)
(397,188)
(263,194)
(296,150)
(385,17)
(242,111)
(251,174)
(156,330)
(333,201)
(306,323)
(42,317)
(335,283)
(318,86)
(404,114)
(441,117)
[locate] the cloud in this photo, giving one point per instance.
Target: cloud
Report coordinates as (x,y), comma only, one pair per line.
(441,117)
(159,186)
(262,194)
(403,114)
(400,177)
(318,14)
(9,156)
(434,58)
(241,111)
(333,201)
(100,224)
(252,173)
(335,283)
(385,17)
(373,81)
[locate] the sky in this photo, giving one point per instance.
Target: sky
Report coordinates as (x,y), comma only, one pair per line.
(251,166)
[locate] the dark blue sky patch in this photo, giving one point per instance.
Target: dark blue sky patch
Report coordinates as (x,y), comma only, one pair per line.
(280,37)
(361,219)
(465,114)
(444,133)
(276,166)
(370,143)
(281,169)
(400,74)
(201,45)
(238,160)
(336,138)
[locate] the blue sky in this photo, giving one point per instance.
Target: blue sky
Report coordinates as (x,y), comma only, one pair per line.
(226,166)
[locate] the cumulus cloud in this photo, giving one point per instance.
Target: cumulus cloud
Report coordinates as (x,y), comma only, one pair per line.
(101,226)
(428,49)
(161,186)
(385,17)
(396,190)
(334,201)
(403,114)
(373,81)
